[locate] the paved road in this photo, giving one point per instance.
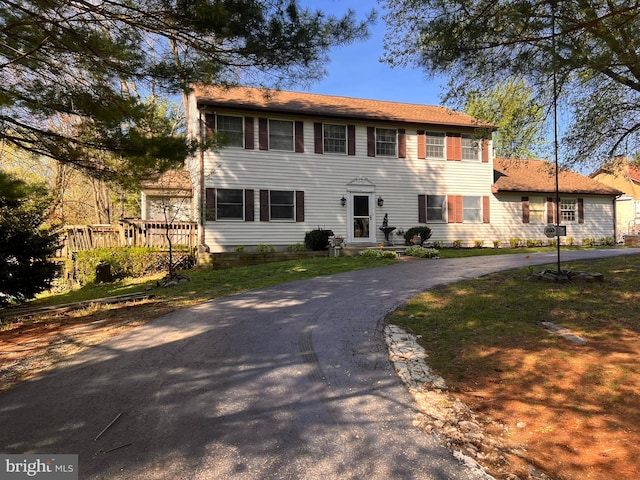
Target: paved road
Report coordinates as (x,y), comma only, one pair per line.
(289,382)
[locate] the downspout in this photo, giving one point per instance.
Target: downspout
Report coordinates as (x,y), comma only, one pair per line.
(204,248)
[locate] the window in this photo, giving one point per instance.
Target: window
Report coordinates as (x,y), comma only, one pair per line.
(568,209)
(436,205)
(281,135)
(537,210)
(335,138)
(470,148)
(472,209)
(386,142)
(230,204)
(231,130)
(281,205)
(435,145)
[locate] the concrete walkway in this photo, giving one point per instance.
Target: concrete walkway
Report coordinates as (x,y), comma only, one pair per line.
(290,382)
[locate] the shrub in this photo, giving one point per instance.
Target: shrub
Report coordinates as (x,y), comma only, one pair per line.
(373,253)
(438,244)
(421,252)
(497,243)
(239,249)
(317,239)
(296,247)
(265,248)
(534,243)
(457,244)
(588,242)
(553,242)
(478,243)
(570,241)
(123,262)
(514,242)
(610,241)
(424,232)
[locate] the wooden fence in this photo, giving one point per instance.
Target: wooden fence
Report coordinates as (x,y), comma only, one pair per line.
(129,233)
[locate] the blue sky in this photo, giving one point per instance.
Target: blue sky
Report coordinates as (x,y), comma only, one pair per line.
(356,71)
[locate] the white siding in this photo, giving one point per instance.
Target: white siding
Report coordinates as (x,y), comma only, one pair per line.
(326,178)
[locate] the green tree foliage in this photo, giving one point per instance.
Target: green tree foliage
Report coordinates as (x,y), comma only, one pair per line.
(511,106)
(67,67)
(26,243)
(591,47)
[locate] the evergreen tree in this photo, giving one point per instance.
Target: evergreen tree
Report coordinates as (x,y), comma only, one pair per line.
(26,242)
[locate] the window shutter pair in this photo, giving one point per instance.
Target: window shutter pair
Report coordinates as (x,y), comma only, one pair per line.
(210,129)
(263,135)
(552,207)
(210,205)
(454,209)
(371,142)
(264,205)
(318,139)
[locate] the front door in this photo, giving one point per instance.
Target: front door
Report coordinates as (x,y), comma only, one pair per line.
(361,221)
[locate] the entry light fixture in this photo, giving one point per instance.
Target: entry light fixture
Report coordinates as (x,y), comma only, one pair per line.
(343,201)
(380,201)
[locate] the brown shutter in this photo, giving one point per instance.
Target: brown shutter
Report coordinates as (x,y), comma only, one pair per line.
(422,209)
(454,146)
(299,206)
(485,150)
(422,144)
(581,210)
(317,138)
(402,143)
(454,208)
(248,133)
(249,213)
(371,141)
(526,208)
(263,134)
(210,205)
(299,137)
(486,210)
(351,139)
(210,123)
(551,210)
(264,205)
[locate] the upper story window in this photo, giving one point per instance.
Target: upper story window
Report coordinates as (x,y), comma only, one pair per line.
(335,138)
(436,208)
(230,128)
(281,135)
(470,148)
(281,205)
(386,142)
(568,208)
(229,204)
(435,145)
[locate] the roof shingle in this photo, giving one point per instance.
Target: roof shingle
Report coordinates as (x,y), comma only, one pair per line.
(511,175)
(332,106)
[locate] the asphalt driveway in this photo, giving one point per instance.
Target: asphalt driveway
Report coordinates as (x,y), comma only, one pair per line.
(288,382)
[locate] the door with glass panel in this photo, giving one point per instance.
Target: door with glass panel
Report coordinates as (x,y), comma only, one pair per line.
(361,221)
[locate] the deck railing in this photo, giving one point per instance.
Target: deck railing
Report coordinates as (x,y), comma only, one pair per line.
(129,233)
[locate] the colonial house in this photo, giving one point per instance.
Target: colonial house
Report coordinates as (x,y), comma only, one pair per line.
(623,175)
(292,162)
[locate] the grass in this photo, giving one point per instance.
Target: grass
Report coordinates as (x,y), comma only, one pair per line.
(206,283)
(484,337)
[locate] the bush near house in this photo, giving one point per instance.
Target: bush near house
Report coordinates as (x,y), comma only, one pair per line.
(317,239)
(424,232)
